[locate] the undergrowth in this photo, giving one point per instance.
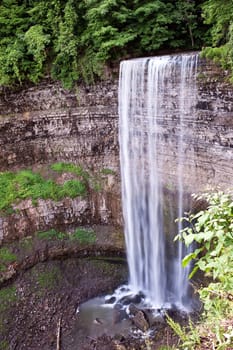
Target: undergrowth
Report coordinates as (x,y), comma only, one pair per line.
(25,184)
(212,231)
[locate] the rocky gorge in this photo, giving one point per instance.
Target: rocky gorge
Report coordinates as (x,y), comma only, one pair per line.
(45,124)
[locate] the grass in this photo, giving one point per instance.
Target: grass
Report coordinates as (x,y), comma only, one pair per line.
(25,184)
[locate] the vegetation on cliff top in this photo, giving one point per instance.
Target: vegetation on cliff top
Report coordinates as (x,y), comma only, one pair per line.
(71,40)
(219,15)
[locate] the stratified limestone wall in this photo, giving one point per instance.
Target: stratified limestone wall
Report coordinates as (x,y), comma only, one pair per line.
(46,124)
(213,129)
(207,134)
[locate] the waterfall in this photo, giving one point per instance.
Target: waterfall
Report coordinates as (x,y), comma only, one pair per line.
(152,90)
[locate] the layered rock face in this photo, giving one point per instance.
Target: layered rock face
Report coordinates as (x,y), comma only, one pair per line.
(45,124)
(205,152)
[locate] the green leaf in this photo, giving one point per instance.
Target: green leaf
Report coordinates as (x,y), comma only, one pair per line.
(188,258)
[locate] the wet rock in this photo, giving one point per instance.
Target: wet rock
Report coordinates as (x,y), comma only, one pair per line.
(133,309)
(132,298)
(139,318)
(176,314)
(98,321)
(140,321)
(124,289)
(154,317)
(119,315)
(110,300)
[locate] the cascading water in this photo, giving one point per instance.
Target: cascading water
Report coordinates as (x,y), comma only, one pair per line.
(149,90)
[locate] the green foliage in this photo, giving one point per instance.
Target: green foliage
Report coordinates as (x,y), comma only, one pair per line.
(36,41)
(221,19)
(71,40)
(154,18)
(217,54)
(27,184)
(219,14)
(65,64)
(212,230)
(189,335)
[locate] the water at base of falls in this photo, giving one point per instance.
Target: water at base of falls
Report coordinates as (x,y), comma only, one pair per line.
(152,91)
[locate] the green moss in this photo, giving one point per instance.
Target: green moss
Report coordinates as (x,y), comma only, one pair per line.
(84,236)
(26,242)
(81,235)
(107,171)
(4,345)
(70,168)
(96,186)
(48,279)
(7,297)
(45,278)
(51,235)
(6,256)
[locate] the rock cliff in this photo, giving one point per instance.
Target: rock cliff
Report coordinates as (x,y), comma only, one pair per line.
(45,124)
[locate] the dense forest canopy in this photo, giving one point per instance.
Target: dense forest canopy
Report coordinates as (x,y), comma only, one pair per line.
(71,39)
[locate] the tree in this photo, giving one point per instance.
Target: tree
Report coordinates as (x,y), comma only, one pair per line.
(71,40)
(219,14)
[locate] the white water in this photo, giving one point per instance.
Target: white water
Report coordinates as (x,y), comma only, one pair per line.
(145,90)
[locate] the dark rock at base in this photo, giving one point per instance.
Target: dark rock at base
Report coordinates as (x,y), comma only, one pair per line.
(124,289)
(176,314)
(140,321)
(132,298)
(133,309)
(119,315)
(110,300)
(154,319)
(118,306)
(139,318)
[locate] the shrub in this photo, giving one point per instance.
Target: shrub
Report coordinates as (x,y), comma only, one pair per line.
(212,231)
